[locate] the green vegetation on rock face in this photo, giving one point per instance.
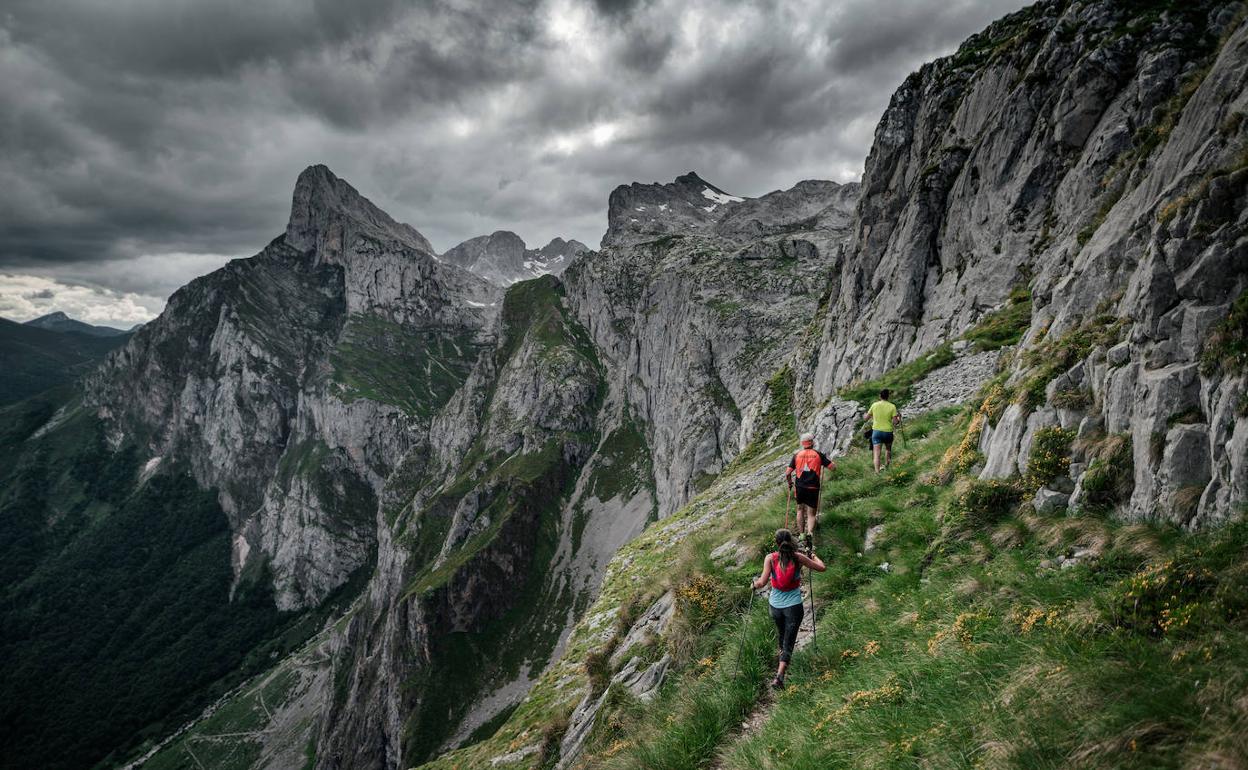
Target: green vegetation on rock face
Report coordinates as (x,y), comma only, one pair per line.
(416,369)
(1005,326)
(503,569)
(115,597)
(777,424)
(1050,357)
(1226,350)
(900,379)
(624,463)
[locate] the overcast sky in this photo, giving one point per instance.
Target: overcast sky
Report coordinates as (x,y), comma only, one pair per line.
(145,142)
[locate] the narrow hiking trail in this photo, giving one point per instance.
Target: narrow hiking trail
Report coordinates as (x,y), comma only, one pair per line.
(950,385)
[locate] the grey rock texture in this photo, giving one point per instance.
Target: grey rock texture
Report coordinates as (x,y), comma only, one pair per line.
(1093,153)
(503,259)
(259,374)
(328,216)
(691,326)
(1050,501)
(953,383)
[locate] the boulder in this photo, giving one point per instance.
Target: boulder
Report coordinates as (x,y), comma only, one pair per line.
(1050,500)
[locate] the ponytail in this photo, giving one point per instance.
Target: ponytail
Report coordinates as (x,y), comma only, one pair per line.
(786,547)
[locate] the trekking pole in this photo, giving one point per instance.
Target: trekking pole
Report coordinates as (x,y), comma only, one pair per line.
(787,505)
(814,638)
(745,622)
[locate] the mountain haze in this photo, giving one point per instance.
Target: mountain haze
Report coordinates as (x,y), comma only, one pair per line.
(60,322)
(48,352)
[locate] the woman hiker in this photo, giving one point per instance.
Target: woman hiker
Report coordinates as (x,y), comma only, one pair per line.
(784,569)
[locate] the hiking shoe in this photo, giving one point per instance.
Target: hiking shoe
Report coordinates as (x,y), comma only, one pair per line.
(777,683)
(809,544)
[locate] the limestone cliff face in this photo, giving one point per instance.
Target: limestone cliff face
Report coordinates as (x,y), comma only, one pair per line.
(695,321)
(1093,152)
(295,381)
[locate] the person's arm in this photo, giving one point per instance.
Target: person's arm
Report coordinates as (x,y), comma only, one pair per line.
(812,561)
(788,474)
(827,462)
(761,580)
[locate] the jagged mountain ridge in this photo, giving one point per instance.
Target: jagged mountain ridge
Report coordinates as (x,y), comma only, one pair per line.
(273,360)
(502,257)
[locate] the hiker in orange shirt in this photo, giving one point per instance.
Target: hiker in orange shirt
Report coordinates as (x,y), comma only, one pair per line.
(803,477)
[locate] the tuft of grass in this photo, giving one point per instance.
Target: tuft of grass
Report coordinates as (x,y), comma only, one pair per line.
(1226,350)
(980,504)
(1005,326)
(1110,477)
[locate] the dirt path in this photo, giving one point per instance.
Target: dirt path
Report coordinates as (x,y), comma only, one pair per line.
(761,712)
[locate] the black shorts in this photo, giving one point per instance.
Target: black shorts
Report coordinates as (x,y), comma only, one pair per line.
(807,496)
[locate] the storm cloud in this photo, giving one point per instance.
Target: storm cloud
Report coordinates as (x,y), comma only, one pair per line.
(147,142)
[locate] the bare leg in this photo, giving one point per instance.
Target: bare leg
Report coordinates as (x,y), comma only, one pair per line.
(875,456)
(784,666)
(888,456)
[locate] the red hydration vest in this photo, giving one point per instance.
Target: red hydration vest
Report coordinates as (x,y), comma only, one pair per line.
(785,579)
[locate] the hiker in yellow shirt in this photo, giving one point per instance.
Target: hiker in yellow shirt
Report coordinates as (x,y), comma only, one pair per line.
(884,419)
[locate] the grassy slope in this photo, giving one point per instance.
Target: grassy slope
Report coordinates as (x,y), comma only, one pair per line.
(966,653)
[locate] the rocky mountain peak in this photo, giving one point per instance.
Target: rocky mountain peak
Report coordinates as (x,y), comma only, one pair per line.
(558,247)
(643,212)
(503,258)
(637,213)
(326,212)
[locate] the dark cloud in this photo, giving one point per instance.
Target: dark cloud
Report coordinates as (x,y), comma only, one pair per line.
(144,142)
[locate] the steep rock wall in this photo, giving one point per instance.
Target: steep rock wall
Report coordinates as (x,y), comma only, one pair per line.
(1091,152)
